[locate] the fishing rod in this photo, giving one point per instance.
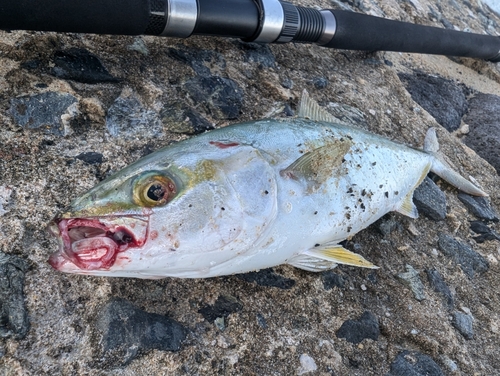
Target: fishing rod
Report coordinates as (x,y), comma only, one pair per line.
(263,21)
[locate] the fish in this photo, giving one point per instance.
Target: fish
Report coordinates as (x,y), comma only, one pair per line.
(246,197)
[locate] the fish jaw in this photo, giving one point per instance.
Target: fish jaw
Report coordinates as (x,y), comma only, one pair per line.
(90,244)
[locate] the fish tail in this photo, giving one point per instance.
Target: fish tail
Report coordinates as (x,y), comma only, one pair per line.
(441,168)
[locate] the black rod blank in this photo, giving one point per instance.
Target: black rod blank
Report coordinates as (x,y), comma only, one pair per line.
(260,20)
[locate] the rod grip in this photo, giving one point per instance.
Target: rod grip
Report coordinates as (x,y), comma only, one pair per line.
(129,17)
(355,31)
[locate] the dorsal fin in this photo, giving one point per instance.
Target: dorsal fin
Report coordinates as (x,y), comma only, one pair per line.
(310,109)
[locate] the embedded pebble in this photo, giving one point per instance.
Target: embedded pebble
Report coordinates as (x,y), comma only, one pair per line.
(198,59)
(44,111)
(484,127)
(80,65)
(90,157)
(463,323)
(13,314)
(223,307)
(486,233)
(331,279)
(439,285)
(411,278)
(413,363)
(444,99)
(127,117)
(355,331)
(307,364)
(258,53)
(470,261)
(127,331)
(180,118)
(430,200)
(479,207)
(267,278)
(222,96)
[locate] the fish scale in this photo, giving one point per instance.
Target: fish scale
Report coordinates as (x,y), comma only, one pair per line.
(247,197)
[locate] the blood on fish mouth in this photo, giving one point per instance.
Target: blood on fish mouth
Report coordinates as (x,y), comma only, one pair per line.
(93,244)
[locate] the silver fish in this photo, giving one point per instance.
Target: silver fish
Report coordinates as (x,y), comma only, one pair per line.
(246,197)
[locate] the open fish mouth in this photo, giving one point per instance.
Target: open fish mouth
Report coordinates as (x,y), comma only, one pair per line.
(94,243)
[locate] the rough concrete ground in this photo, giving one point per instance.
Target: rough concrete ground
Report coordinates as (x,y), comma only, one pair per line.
(75,108)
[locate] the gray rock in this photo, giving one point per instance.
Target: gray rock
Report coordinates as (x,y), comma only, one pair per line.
(222,96)
(13,314)
(90,157)
(484,125)
(443,99)
(463,323)
(430,200)
(355,331)
(387,224)
(331,279)
(80,65)
(479,207)
(127,331)
(223,307)
(127,117)
(486,233)
(198,59)
(413,363)
(44,111)
(411,278)
(267,278)
(469,260)
(258,53)
(180,118)
(261,320)
(320,82)
(439,285)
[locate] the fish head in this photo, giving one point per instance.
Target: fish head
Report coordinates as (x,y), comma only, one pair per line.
(169,214)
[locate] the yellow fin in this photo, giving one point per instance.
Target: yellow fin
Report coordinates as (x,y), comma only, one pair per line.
(340,255)
(407,206)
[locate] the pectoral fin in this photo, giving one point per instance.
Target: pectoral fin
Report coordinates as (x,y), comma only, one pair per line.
(327,257)
(318,165)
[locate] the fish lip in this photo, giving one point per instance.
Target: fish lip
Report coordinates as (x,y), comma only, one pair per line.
(98,251)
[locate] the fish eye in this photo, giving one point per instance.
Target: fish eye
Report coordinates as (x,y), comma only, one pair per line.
(154,190)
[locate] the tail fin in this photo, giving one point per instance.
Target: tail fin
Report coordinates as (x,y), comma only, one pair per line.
(443,169)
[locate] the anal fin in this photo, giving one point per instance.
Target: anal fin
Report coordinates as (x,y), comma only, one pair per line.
(407,207)
(327,257)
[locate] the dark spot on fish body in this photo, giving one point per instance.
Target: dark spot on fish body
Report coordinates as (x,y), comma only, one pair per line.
(386,194)
(349,228)
(396,193)
(316,212)
(222,208)
(374,163)
(363,206)
(350,190)
(348,215)
(363,192)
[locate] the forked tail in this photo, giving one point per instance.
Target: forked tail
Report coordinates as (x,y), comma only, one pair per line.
(441,168)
